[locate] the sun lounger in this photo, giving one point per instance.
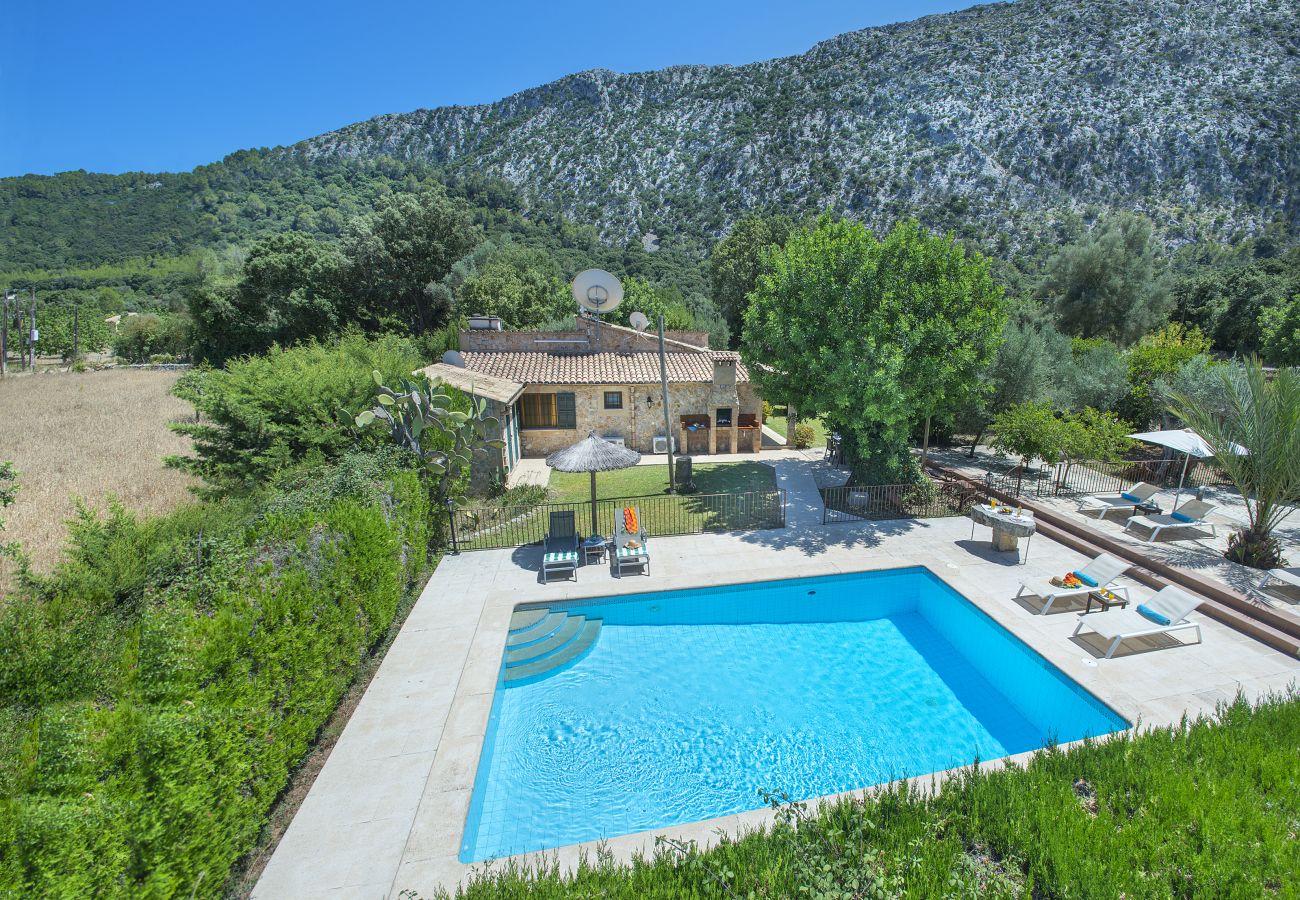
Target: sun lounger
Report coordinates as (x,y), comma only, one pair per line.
(1101,571)
(1138,494)
(629,543)
(560,552)
(1289,578)
(1190,515)
(1164,613)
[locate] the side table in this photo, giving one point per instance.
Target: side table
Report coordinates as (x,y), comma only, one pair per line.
(593,549)
(1105,604)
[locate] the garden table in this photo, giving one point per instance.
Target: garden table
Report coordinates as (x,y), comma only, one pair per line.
(1008,527)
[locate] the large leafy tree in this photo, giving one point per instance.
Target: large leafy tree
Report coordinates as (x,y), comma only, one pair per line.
(1111,283)
(1261,414)
(1227,302)
(1279,328)
(288,291)
(398,253)
(522,286)
(737,260)
(874,335)
(1157,356)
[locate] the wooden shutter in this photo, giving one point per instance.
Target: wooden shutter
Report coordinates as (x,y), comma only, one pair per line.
(566,414)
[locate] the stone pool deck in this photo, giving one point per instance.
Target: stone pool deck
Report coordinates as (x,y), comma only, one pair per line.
(387,812)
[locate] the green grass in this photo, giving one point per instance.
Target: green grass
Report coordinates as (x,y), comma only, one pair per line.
(641,481)
(779,424)
(1209,808)
(517,519)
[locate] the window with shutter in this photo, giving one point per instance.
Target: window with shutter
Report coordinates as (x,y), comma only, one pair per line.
(566,415)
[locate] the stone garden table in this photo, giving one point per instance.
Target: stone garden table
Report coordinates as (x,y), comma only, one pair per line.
(1007,527)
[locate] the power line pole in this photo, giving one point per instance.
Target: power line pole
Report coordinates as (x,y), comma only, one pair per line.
(33,334)
(76,324)
(4,331)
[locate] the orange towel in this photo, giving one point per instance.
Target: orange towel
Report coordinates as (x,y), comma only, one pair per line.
(629,520)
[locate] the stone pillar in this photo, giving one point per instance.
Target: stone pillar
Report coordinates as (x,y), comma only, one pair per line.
(735,431)
(713,434)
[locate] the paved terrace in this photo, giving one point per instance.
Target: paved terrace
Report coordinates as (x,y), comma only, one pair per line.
(387,812)
(1195,549)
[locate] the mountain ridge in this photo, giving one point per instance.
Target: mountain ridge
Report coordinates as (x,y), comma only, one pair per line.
(1151,106)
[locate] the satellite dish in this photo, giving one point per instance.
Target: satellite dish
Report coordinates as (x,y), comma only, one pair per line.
(597,291)
(453,358)
(639,321)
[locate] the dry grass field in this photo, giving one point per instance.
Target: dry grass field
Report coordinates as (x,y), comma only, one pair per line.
(87,435)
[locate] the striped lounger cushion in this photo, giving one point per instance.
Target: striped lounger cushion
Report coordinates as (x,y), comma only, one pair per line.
(566,556)
(632,551)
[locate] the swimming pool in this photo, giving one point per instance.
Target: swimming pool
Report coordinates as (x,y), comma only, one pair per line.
(676,706)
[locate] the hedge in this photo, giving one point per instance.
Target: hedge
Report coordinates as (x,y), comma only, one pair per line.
(162,684)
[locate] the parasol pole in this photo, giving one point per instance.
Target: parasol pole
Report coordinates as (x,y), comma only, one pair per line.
(593,502)
(1187,457)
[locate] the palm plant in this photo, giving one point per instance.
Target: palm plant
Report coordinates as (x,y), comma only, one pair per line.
(1262,415)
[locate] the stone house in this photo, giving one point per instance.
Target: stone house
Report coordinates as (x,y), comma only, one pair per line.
(549,388)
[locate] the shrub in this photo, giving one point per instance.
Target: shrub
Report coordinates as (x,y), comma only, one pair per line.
(803,435)
(141,337)
(768,410)
(265,414)
(162,684)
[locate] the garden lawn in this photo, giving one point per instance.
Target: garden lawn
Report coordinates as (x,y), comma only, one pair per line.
(779,424)
(643,481)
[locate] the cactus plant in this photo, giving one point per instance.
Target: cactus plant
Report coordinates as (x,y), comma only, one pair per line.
(419,417)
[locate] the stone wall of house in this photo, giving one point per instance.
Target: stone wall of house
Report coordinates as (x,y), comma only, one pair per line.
(612,340)
(642,416)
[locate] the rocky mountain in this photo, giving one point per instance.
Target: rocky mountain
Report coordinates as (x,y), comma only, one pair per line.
(994,121)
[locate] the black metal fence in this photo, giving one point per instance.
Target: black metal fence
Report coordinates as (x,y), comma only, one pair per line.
(494,527)
(927,500)
(1071,479)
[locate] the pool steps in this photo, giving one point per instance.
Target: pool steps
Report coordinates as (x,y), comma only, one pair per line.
(541,642)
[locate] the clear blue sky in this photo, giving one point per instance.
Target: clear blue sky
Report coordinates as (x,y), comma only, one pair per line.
(148,86)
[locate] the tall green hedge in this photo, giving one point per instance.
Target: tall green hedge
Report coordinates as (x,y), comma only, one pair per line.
(161,685)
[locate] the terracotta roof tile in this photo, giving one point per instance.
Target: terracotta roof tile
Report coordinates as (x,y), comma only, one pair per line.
(597,368)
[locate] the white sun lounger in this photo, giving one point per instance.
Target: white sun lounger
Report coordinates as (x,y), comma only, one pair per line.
(1103,570)
(1288,577)
(1193,514)
(1121,624)
(1105,504)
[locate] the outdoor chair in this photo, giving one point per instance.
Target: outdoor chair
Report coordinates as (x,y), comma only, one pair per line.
(1097,574)
(1190,515)
(560,552)
(1138,494)
(629,542)
(1288,578)
(1164,613)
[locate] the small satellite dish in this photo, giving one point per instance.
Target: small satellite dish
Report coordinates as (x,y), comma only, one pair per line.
(597,291)
(639,321)
(453,358)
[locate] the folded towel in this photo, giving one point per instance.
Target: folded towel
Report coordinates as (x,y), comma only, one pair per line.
(1149,613)
(1182,517)
(1133,498)
(1086,579)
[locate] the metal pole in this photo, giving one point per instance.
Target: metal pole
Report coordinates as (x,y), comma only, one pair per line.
(4,333)
(1186,458)
(32,333)
(668,418)
(76,324)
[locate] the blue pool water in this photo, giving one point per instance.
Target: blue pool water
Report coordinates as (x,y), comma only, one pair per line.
(691,703)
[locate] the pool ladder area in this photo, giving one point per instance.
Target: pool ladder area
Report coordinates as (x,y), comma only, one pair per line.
(542,641)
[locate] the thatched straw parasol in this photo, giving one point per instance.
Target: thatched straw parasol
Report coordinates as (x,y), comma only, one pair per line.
(593,454)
